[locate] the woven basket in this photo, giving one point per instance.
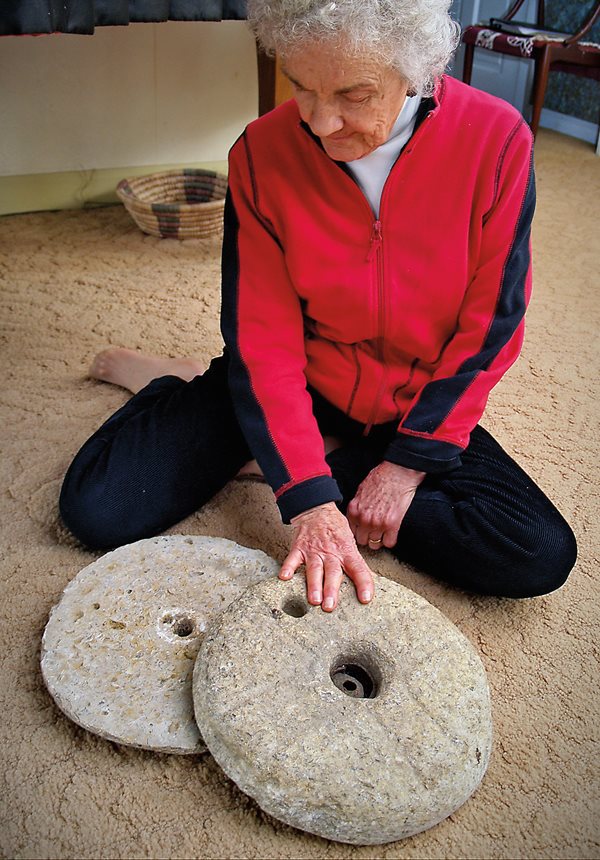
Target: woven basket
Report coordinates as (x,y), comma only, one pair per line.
(177,204)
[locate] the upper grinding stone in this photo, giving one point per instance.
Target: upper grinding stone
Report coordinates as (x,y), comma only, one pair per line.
(119,647)
(365,725)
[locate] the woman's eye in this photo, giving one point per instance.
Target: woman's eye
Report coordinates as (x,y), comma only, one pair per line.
(357,100)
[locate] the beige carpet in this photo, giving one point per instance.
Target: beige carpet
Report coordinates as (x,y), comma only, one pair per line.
(74,282)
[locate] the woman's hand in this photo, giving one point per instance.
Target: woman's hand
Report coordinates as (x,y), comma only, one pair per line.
(323,542)
(376,512)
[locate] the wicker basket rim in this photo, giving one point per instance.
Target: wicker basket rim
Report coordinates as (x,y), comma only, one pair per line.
(168,174)
(180,171)
(136,205)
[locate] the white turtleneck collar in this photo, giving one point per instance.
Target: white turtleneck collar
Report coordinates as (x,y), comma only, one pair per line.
(372,171)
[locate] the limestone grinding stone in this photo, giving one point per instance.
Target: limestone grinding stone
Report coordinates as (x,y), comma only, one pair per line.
(119,648)
(364,770)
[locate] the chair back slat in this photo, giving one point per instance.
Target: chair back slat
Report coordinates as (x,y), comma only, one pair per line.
(513,10)
(587,25)
(541,14)
(577,19)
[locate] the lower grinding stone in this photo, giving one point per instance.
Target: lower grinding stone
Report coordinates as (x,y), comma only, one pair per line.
(119,648)
(365,725)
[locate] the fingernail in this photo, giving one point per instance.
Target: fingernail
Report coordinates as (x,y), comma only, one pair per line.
(328,603)
(315,597)
(366,596)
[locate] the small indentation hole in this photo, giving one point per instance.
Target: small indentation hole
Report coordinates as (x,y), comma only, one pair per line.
(183,627)
(295,607)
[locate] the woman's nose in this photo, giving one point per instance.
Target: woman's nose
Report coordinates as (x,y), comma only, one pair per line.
(324,119)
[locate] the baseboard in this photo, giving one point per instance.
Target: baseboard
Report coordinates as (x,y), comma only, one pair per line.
(75,189)
(570,125)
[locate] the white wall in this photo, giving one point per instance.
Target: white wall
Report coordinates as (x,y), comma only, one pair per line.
(147,94)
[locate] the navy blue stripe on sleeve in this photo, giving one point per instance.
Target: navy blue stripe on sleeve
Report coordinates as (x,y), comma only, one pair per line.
(308,494)
(440,396)
(248,410)
(424,455)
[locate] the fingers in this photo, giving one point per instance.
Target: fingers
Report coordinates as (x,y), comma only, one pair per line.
(373,531)
(374,535)
(367,530)
(353,516)
(333,579)
(383,537)
(360,574)
(375,541)
(314,580)
(377,510)
(362,534)
(324,577)
(291,564)
(315,570)
(390,538)
(325,546)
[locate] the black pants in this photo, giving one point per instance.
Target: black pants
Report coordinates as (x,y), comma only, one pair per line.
(484,526)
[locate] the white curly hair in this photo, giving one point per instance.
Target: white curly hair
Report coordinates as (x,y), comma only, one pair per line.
(415,37)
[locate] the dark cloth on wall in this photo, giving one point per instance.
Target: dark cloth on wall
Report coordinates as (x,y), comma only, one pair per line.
(30,17)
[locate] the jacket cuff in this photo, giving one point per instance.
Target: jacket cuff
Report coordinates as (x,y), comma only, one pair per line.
(423,455)
(308,494)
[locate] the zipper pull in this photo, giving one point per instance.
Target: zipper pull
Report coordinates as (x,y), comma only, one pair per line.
(376,240)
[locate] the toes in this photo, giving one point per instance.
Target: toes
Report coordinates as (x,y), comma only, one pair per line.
(99,366)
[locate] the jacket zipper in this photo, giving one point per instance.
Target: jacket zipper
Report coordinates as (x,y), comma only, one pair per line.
(376,254)
(375,251)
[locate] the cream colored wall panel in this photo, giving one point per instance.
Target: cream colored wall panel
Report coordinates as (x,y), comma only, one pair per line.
(77,102)
(143,94)
(205,99)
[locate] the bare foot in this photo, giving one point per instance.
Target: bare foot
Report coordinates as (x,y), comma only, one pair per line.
(134,370)
(252,469)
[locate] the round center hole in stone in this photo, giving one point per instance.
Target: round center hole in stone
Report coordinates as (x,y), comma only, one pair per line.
(295,607)
(356,677)
(181,625)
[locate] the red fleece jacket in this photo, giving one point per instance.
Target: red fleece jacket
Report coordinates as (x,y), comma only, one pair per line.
(411,318)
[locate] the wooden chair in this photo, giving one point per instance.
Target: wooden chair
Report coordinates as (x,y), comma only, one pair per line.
(549,50)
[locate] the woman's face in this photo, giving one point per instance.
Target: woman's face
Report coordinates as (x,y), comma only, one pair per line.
(350,102)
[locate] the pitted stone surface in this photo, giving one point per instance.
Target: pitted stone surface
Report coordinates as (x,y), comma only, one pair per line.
(365,725)
(119,648)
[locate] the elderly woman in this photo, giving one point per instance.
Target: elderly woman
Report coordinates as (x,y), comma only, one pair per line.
(376,270)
